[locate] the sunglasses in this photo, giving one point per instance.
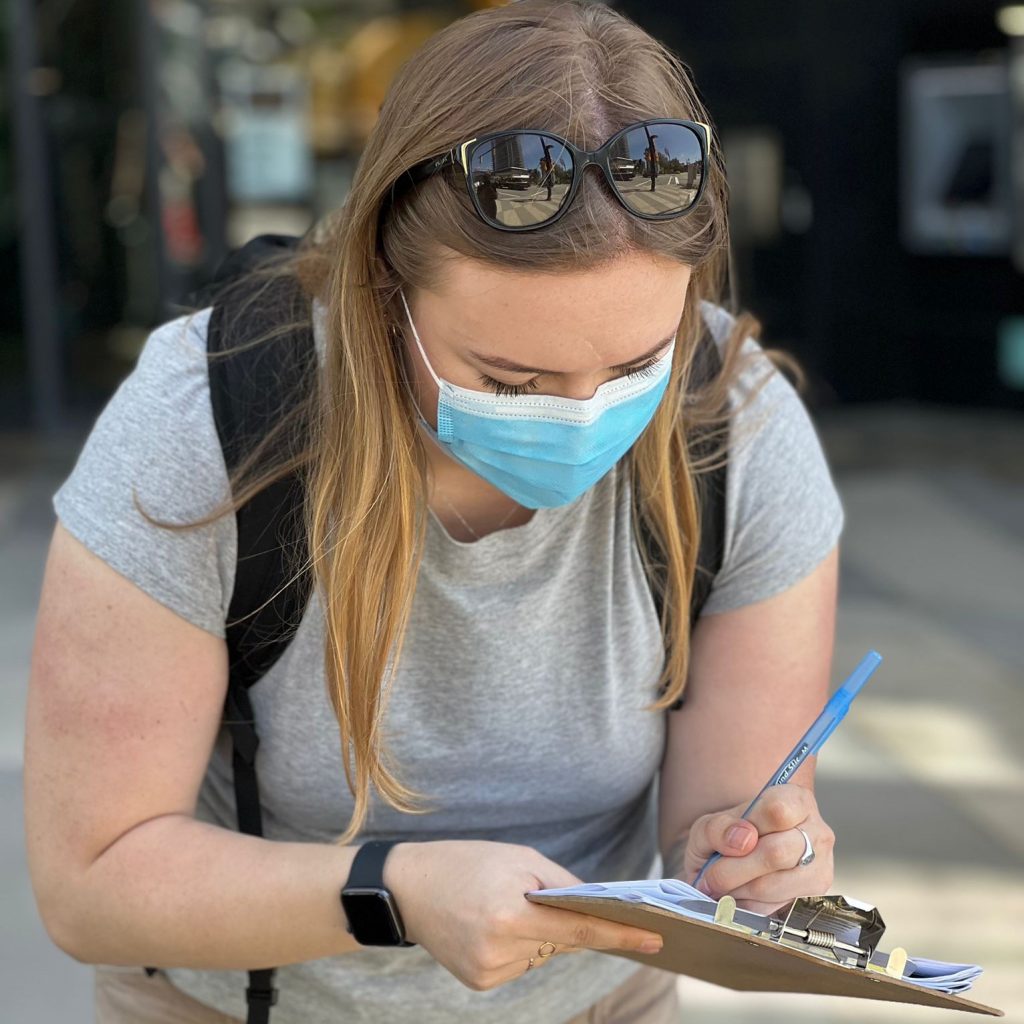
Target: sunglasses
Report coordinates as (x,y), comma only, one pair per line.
(523,180)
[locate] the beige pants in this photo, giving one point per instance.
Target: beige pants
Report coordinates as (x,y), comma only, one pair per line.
(127,995)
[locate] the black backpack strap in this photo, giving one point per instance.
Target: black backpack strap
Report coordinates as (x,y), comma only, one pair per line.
(250,390)
(711,489)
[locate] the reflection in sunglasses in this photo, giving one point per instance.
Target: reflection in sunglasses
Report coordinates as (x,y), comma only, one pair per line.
(523,179)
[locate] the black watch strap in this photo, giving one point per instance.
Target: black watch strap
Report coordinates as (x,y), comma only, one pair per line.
(368,867)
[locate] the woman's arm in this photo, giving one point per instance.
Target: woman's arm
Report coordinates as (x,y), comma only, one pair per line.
(124,704)
(758,678)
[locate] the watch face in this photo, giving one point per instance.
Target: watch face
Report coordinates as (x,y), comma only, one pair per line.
(372,917)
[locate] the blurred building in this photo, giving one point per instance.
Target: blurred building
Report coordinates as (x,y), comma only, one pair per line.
(871,151)
(875,153)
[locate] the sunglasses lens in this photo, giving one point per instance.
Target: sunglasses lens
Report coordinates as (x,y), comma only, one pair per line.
(657,169)
(521,179)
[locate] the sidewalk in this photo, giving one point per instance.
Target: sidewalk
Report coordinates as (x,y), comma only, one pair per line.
(924,782)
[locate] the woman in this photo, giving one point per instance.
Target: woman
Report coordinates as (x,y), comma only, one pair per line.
(482,625)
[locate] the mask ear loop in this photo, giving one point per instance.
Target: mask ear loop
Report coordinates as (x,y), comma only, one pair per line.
(408,384)
(419,344)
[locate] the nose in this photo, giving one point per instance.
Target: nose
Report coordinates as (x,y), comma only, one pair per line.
(579,386)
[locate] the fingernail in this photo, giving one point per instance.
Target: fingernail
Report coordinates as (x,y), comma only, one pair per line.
(651,946)
(738,837)
(704,887)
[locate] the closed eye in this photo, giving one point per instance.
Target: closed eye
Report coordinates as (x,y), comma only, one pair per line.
(505,389)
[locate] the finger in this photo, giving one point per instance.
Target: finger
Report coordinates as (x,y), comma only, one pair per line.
(782,808)
(509,972)
(530,963)
(783,886)
(525,956)
(569,928)
(801,880)
(725,833)
(775,853)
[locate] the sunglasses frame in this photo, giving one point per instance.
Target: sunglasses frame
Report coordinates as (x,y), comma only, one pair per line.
(461,156)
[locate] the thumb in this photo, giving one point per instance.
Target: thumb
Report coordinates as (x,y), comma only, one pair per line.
(724,833)
(550,875)
(558,878)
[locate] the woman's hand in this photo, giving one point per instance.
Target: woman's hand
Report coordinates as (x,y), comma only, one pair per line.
(760,863)
(463,901)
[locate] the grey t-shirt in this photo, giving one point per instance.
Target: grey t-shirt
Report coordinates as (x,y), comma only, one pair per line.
(518,703)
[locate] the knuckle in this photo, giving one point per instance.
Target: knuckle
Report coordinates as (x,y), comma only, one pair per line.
(758,889)
(827,839)
(483,959)
(502,920)
(778,856)
(581,935)
(477,982)
(488,962)
(710,827)
(779,814)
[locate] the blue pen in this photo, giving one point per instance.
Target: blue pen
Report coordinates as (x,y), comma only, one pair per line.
(824,725)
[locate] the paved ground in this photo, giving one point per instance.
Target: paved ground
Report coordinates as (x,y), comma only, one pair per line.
(924,783)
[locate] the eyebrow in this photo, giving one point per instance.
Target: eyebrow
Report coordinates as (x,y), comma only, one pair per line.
(500,363)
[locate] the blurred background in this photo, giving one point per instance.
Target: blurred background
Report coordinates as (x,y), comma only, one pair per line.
(875,151)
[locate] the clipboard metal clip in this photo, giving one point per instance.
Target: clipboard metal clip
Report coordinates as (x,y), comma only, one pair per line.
(845,929)
(835,928)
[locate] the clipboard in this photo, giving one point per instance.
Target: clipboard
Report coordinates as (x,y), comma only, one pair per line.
(736,959)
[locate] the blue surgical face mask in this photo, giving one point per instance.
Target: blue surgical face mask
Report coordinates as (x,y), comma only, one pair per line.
(542,450)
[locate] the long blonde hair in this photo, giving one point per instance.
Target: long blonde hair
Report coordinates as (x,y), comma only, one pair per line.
(575,68)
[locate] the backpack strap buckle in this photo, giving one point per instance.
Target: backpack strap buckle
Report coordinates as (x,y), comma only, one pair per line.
(261,995)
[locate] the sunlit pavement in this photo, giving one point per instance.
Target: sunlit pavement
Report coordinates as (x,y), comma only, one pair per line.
(923,782)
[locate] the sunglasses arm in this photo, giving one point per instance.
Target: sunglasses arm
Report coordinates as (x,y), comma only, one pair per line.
(429,167)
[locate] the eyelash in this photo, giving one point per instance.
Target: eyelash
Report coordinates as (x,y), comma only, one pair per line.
(503,388)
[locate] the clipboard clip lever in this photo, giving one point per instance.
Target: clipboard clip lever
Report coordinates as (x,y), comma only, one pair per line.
(845,929)
(836,928)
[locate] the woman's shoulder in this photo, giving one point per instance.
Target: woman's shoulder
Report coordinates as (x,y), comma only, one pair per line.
(783,512)
(154,449)
(760,395)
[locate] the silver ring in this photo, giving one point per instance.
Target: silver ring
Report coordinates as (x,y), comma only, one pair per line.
(808,854)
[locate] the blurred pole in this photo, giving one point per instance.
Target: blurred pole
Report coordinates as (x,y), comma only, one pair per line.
(212,192)
(1016,79)
(732,284)
(36,228)
(149,72)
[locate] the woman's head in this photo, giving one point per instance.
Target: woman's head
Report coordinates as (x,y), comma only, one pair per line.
(579,70)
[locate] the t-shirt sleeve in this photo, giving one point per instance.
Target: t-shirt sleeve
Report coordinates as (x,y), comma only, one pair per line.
(783,514)
(157,436)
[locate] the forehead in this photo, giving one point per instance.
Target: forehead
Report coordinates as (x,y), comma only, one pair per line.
(571,321)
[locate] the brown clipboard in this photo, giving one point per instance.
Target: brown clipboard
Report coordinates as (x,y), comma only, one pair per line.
(749,962)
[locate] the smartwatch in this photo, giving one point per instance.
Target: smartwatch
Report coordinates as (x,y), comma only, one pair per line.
(371,909)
